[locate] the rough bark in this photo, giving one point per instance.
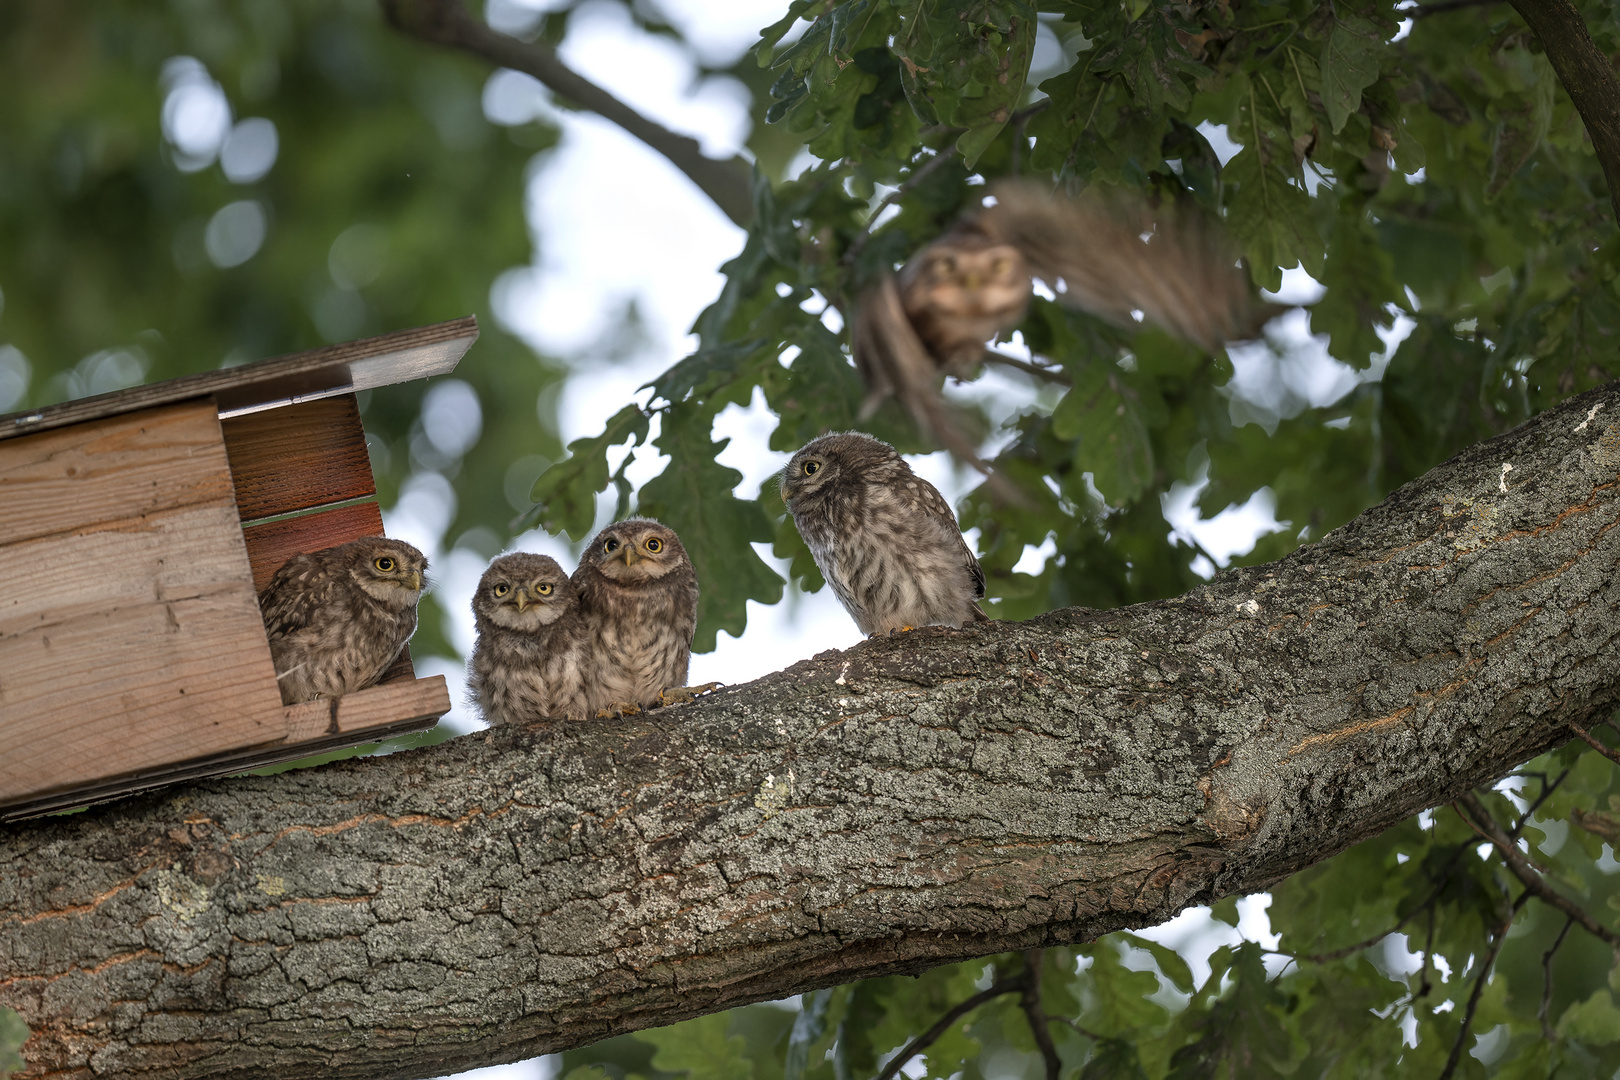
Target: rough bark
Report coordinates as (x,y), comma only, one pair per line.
(933,796)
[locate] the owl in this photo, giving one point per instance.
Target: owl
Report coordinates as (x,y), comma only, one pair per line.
(337,619)
(884,537)
(638,594)
(1115,257)
(529,660)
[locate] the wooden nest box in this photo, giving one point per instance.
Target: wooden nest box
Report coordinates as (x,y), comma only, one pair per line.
(136,530)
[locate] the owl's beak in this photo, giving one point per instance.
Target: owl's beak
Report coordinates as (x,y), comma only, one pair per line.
(631,555)
(521,597)
(416,580)
(972,280)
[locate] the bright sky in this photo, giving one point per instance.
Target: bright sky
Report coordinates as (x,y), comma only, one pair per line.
(614,224)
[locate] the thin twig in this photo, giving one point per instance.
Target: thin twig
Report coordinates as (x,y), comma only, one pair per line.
(1521,868)
(1586,737)
(1424,986)
(1546,981)
(1497,941)
(1031,1001)
(1434,894)
(1040,371)
(916,176)
(447,22)
(1546,790)
(955,1013)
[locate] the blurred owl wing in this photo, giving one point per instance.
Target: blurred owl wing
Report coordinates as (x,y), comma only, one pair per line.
(1184,278)
(294,593)
(893,361)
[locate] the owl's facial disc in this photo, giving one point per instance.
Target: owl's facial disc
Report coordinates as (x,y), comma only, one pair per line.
(635,557)
(392,580)
(804,476)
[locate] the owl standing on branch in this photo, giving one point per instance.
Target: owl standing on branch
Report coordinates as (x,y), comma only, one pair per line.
(638,595)
(884,538)
(529,659)
(1117,257)
(337,619)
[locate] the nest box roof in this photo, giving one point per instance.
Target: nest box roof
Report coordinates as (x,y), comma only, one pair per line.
(280,380)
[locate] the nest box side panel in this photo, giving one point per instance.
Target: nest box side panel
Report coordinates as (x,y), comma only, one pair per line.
(130,633)
(298,457)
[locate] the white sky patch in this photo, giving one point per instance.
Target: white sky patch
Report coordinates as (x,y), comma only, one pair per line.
(1221,140)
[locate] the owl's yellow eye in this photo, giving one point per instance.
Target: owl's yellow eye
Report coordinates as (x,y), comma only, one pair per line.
(948,264)
(611,545)
(999,266)
(384,563)
(544,589)
(654,544)
(502,589)
(811,468)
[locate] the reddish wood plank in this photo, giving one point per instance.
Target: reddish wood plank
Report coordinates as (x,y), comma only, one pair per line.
(283,380)
(111,470)
(269,546)
(298,457)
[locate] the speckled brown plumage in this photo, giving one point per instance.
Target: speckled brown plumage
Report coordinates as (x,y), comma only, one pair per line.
(639,596)
(529,660)
(337,618)
(884,537)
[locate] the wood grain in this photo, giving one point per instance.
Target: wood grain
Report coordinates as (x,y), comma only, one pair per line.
(298,457)
(111,471)
(130,648)
(378,713)
(283,380)
(364,711)
(269,546)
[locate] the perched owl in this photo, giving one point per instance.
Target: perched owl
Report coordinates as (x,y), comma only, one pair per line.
(1116,257)
(338,618)
(638,595)
(884,537)
(529,660)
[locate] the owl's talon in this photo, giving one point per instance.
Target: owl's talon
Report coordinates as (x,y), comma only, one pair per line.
(685,695)
(618,710)
(893,630)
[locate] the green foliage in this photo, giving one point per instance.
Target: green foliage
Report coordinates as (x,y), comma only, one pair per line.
(13,1033)
(1442,181)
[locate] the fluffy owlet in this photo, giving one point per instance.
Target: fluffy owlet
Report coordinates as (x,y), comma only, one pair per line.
(639,597)
(338,618)
(884,537)
(528,663)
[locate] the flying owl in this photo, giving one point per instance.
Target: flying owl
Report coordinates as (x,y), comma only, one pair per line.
(638,595)
(529,659)
(338,618)
(1115,257)
(884,537)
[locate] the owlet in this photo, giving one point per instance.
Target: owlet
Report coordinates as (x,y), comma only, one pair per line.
(528,662)
(639,597)
(338,618)
(884,537)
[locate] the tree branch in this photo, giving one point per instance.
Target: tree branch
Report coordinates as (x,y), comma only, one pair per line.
(1498,939)
(447,23)
(1030,1001)
(911,801)
(943,1024)
(1483,822)
(1547,982)
(1588,78)
(1587,738)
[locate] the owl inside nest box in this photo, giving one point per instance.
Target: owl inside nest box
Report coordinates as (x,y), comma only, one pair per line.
(138,528)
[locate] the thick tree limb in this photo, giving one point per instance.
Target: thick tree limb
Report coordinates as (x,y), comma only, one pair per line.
(925,798)
(1588,78)
(447,22)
